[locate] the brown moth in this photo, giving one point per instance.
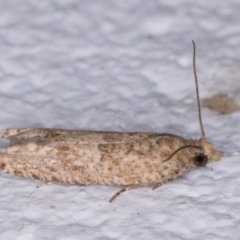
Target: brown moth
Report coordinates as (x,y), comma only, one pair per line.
(112,158)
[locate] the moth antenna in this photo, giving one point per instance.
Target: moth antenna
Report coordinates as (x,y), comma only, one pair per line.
(179,149)
(197,90)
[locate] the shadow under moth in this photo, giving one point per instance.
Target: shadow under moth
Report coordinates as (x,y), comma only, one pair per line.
(129,160)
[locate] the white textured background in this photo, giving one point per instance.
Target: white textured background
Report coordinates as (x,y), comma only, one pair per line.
(121,66)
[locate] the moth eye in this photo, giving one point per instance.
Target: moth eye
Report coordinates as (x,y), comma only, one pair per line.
(200,160)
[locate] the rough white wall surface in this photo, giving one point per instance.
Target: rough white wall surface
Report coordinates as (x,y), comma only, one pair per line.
(121,66)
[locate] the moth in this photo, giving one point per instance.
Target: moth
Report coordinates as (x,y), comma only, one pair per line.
(129,160)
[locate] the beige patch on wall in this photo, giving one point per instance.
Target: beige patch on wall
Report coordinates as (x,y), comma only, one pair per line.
(221,103)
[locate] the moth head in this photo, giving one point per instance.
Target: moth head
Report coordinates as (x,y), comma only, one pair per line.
(209,153)
(202,152)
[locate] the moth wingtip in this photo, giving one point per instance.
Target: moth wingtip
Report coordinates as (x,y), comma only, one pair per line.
(5,133)
(9,132)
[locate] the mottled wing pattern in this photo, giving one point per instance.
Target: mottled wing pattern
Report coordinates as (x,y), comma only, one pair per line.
(88,157)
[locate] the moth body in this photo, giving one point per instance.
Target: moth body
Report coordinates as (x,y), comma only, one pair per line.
(87,157)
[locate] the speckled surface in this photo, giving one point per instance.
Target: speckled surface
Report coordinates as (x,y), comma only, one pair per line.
(121,66)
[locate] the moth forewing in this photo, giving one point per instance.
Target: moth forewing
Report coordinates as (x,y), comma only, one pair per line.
(112,158)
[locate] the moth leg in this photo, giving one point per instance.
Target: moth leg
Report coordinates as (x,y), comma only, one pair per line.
(122,191)
(45,184)
(156,186)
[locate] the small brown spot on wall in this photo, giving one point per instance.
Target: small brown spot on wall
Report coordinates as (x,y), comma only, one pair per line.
(221,103)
